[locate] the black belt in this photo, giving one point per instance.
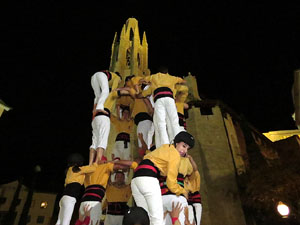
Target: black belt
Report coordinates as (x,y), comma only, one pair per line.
(125,137)
(117,208)
(162,92)
(103,114)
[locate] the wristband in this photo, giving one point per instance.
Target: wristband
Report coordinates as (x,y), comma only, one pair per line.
(174,219)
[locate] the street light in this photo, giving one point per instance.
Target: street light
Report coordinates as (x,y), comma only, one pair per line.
(283,209)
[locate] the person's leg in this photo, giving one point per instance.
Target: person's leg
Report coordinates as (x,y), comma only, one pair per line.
(99,154)
(103,125)
(157,140)
(149,188)
(100,86)
(184,204)
(117,150)
(66,205)
(150,134)
(167,202)
(137,195)
(92,156)
(113,220)
(171,113)
(144,127)
(127,152)
(191,214)
(95,213)
(159,120)
(169,129)
(198,210)
(95,135)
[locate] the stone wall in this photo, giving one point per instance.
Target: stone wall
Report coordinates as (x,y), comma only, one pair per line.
(212,153)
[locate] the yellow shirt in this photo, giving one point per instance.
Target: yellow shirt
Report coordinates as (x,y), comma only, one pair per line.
(192,182)
(111,100)
(182,91)
(78,177)
(125,126)
(100,176)
(185,166)
(161,80)
(180,107)
(114,82)
(125,100)
(118,194)
(138,107)
(167,159)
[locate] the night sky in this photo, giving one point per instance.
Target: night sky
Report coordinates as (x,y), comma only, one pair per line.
(243,54)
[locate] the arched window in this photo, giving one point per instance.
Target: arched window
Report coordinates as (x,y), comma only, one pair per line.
(128,57)
(131,35)
(138,59)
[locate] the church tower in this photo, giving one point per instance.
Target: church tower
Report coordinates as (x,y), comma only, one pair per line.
(129,56)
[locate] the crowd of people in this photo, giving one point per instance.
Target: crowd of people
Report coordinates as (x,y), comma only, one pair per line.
(165,182)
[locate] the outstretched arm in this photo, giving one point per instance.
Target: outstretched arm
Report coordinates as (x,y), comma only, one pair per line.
(144,145)
(124,164)
(195,167)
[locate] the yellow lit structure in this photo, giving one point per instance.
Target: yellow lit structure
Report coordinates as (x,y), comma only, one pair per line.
(41,209)
(3,107)
(281,134)
(129,55)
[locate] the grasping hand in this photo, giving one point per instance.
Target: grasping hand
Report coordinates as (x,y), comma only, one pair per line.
(186,214)
(176,210)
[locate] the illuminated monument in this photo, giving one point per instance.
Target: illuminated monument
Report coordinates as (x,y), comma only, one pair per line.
(227,147)
(130,54)
(221,204)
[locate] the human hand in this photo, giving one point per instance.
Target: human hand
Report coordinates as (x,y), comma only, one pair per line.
(186,194)
(176,210)
(87,210)
(140,136)
(186,214)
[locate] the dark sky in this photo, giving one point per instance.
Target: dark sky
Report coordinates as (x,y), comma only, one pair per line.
(242,53)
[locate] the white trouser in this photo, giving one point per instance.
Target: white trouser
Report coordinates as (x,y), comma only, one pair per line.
(167,206)
(170,131)
(121,152)
(147,129)
(101,128)
(165,108)
(113,219)
(66,208)
(146,193)
(198,210)
(100,86)
(96,211)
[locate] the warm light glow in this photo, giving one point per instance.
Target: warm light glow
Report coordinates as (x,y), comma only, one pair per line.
(44,205)
(283,209)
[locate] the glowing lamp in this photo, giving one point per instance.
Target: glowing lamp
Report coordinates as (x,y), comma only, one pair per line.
(44,205)
(283,209)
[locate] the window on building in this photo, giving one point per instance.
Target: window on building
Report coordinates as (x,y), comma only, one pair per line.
(131,34)
(40,219)
(128,57)
(138,59)
(2,200)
